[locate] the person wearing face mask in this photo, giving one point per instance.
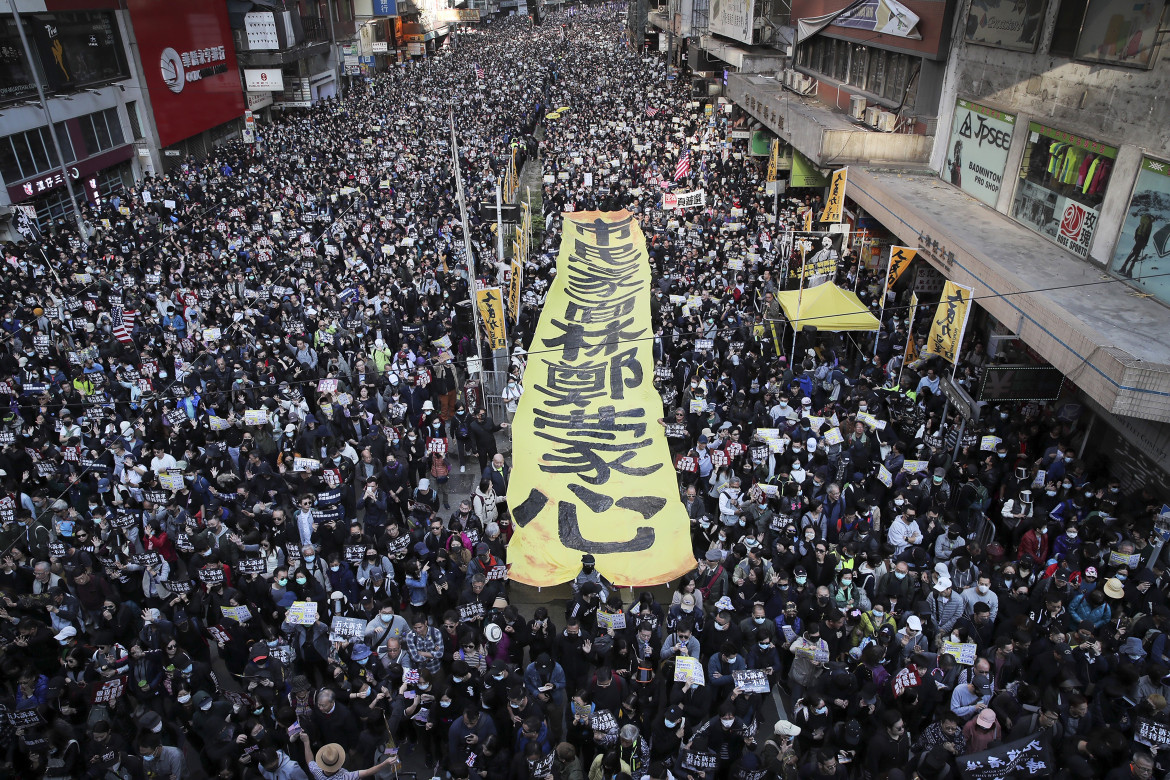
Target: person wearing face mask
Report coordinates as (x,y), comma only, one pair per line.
(810,656)
(589,573)
(1068,541)
(160,760)
(1034,545)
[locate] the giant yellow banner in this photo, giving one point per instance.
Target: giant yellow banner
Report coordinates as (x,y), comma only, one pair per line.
(490,302)
(835,200)
(596,475)
(950,319)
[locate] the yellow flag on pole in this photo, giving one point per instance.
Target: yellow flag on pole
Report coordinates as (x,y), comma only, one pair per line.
(491,312)
(950,319)
(835,200)
(900,259)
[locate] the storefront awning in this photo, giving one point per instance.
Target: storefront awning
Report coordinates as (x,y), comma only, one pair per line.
(827,307)
(1095,329)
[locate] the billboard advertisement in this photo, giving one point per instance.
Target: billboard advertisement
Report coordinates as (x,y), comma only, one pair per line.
(1144,243)
(189,63)
(1063,181)
(978,150)
(883,16)
(263,80)
(1007,24)
(732,18)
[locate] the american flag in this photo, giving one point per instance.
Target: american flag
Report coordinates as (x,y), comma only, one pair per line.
(652,111)
(479,73)
(684,165)
(123,320)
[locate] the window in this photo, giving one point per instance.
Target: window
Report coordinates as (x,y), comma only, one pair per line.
(876,79)
(857,65)
(135,121)
(28,154)
(897,78)
(1068,27)
(101,131)
(841,61)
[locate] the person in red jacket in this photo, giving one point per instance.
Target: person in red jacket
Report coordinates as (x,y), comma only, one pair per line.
(1034,545)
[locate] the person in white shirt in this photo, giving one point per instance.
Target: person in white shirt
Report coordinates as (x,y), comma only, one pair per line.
(904,532)
(162,461)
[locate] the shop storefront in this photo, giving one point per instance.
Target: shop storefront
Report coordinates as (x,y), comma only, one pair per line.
(1063,180)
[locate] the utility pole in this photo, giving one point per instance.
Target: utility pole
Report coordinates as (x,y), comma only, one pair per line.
(32,65)
(467,249)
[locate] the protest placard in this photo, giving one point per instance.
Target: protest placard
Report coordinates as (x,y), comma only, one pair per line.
(963,652)
(108,690)
(252,566)
(470,611)
(346,629)
(688,669)
(302,613)
(211,574)
(239,614)
(751,680)
(614,620)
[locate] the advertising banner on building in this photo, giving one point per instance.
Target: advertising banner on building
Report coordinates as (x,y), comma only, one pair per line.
(835,200)
(599,477)
(1120,32)
(260,27)
(263,80)
(978,150)
(884,16)
(190,65)
(1007,24)
(1144,242)
(1064,180)
(950,320)
(732,18)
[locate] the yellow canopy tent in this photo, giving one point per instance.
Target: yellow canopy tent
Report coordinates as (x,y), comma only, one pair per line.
(828,307)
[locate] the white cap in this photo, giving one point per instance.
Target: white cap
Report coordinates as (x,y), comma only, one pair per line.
(424,484)
(942,584)
(66,633)
(493,632)
(428,406)
(811,444)
(913,623)
(784,728)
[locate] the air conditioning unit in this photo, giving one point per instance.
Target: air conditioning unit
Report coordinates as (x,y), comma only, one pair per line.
(807,85)
(857,107)
(871,115)
(885,122)
(787,78)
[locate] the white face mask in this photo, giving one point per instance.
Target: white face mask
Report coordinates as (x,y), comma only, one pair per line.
(981,588)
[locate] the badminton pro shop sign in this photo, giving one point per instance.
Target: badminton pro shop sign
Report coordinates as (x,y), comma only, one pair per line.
(598,477)
(190,65)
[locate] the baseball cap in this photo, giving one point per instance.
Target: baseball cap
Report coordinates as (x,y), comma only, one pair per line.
(986,718)
(942,584)
(784,728)
(913,623)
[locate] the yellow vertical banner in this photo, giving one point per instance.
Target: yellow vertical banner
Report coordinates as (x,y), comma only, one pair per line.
(950,319)
(835,200)
(808,220)
(900,259)
(911,353)
(490,302)
(514,285)
(597,476)
(774,160)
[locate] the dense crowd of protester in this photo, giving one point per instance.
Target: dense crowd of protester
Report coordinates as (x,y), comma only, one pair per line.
(235,550)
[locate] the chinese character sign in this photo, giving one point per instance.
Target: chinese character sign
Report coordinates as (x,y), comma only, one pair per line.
(491,311)
(946,332)
(900,259)
(835,201)
(600,479)
(1027,757)
(514,286)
